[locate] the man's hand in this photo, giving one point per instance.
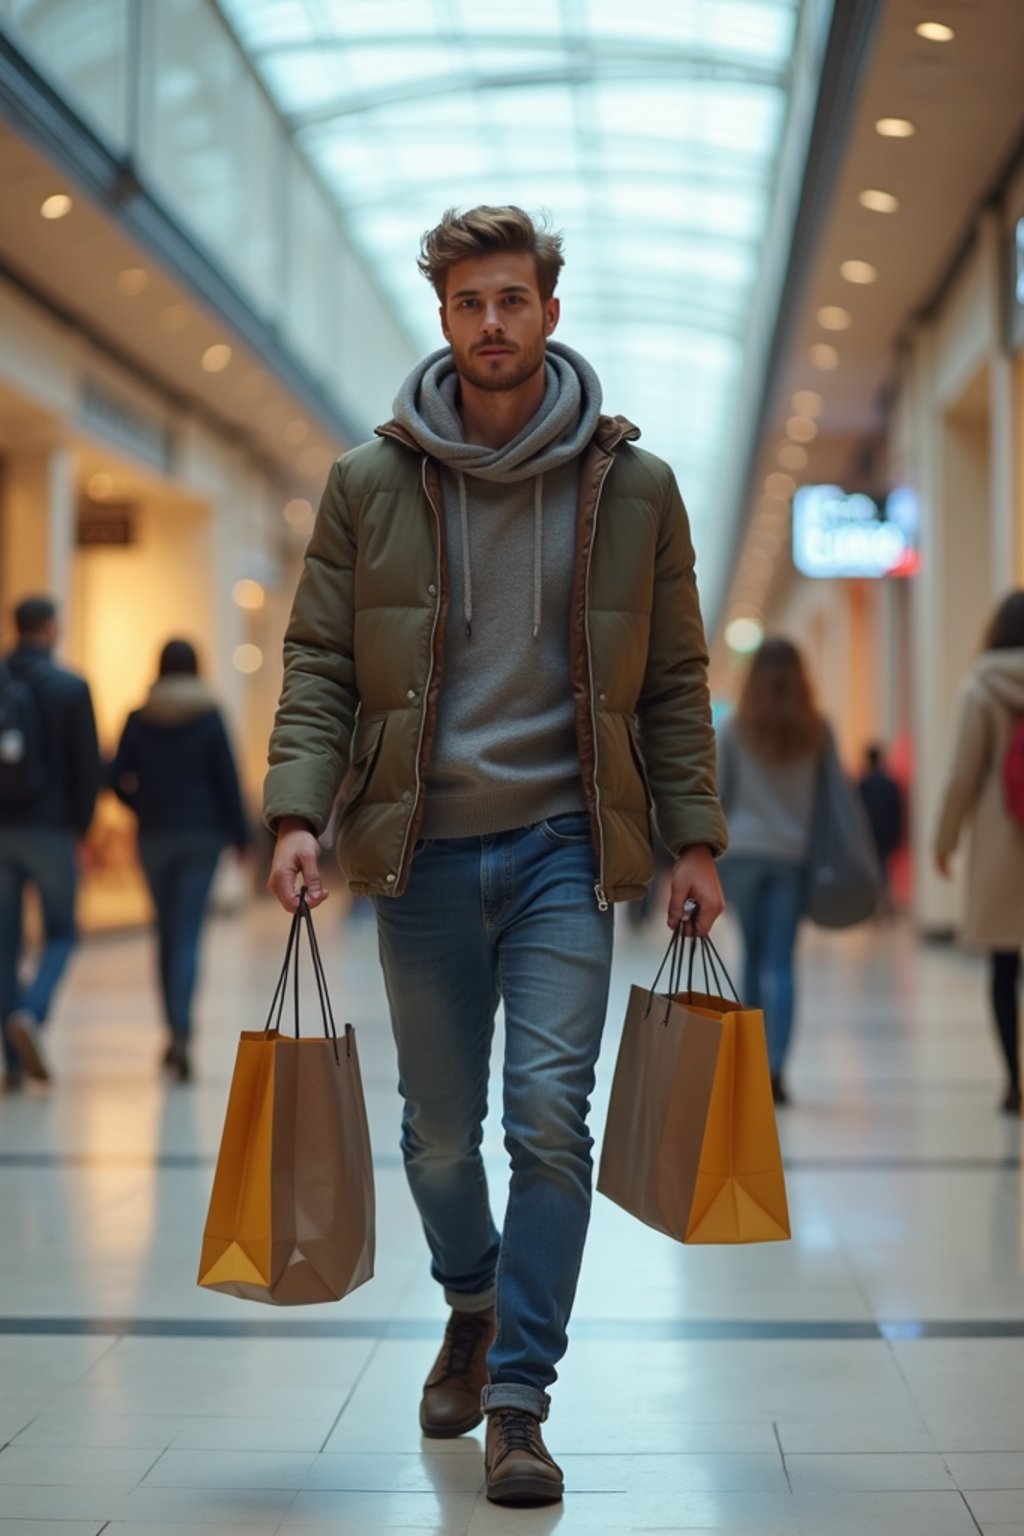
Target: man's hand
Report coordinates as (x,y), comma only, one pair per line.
(296,863)
(695,878)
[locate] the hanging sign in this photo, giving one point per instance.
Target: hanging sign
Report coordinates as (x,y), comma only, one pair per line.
(838,533)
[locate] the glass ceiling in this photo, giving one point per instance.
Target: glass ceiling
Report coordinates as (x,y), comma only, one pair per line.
(650,132)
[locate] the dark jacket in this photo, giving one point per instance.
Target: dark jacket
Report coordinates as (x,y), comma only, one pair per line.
(883,804)
(174,766)
(72,750)
(366,639)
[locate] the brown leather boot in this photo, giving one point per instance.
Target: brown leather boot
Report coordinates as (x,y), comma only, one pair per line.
(516,1461)
(451,1393)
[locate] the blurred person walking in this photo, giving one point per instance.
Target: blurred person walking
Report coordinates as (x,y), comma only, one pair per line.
(174,768)
(882,799)
(498,624)
(985,790)
(769,751)
(49,779)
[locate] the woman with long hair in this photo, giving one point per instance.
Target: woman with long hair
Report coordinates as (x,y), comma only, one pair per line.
(768,755)
(175,769)
(980,792)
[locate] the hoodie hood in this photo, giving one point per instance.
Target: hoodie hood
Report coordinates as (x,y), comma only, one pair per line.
(176,701)
(1001,674)
(426,406)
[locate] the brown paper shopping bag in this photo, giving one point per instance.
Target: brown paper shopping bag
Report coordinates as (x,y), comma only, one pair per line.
(660,1098)
(690,1150)
(291,1217)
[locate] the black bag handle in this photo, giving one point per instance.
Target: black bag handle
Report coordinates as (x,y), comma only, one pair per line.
(303,916)
(675,958)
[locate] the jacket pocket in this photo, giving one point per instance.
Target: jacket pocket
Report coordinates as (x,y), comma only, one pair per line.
(632,732)
(366,745)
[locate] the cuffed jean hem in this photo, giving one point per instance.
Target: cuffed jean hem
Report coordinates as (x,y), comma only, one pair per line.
(479,1301)
(514,1394)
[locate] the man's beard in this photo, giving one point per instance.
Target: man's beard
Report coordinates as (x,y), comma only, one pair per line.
(526,364)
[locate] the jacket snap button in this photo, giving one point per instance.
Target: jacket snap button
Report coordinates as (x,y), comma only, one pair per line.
(411,694)
(602,698)
(390,880)
(432,590)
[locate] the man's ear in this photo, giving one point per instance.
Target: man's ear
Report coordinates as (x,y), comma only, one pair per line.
(444,323)
(552,311)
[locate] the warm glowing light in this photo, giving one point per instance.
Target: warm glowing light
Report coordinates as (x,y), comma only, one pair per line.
(878,201)
(100,486)
(792,456)
(780,486)
(935,31)
(217,357)
(175,317)
(895,128)
(248,658)
(859,272)
(57,206)
(744,635)
(807,402)
(823,357)
(296,432)
(801,429)
(132,281)
(248,593)
(298,513)
(832,317)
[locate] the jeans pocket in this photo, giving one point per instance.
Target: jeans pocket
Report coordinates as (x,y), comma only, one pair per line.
(568,831)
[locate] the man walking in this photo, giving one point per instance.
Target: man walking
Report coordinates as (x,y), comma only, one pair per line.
(498,628)
(59,775)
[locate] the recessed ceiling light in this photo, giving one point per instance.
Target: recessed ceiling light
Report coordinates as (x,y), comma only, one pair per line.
(298,512)
(858,272)
(132,281)
(248,658)
(878,201)
(823,357)
(935,31)
(100,486)
(792,456)
(296,432)
(174,317)
(56,206)
(801,429)
(807,402)
(248,593)
(216,358)
(832,317)
(744,635)
(895,127)
(781,486)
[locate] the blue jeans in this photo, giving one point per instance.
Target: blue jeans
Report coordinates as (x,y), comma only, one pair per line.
(179,868)
(768,895)
(510,916)
(43,857)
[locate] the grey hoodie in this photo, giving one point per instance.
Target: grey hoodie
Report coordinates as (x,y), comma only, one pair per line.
(505,754)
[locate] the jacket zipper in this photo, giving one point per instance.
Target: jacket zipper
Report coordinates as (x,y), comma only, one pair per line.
(599,890)
(430,671)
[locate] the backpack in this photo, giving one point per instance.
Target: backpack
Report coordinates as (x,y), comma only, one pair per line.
(23,770)
(1013,773)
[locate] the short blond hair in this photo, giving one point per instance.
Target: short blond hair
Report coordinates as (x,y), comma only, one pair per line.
(481,231)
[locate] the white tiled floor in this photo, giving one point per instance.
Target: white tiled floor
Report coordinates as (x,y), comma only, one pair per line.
(790,1388)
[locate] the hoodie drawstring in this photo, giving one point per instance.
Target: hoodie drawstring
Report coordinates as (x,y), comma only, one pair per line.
(538,554)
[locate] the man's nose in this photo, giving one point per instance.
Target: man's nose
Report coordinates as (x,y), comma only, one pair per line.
(492,318)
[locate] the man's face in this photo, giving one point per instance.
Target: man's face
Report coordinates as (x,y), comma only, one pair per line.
(495,319)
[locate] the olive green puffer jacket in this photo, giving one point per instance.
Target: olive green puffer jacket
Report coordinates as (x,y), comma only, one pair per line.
(364,663)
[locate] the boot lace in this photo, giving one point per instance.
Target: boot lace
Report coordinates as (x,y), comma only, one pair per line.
(518,1430)
(460,1341)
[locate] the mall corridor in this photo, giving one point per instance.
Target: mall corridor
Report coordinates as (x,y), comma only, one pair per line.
(864,1378)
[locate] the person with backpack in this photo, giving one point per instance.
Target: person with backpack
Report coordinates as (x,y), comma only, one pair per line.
(49,778)
(985,788)
(174,768)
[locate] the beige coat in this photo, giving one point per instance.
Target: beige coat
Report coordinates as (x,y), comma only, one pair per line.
(990,704)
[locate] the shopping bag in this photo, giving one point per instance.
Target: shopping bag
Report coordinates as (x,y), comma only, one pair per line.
(660,1098)
(740,1193)
(731,1188)
(291,1216)
(844,879)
